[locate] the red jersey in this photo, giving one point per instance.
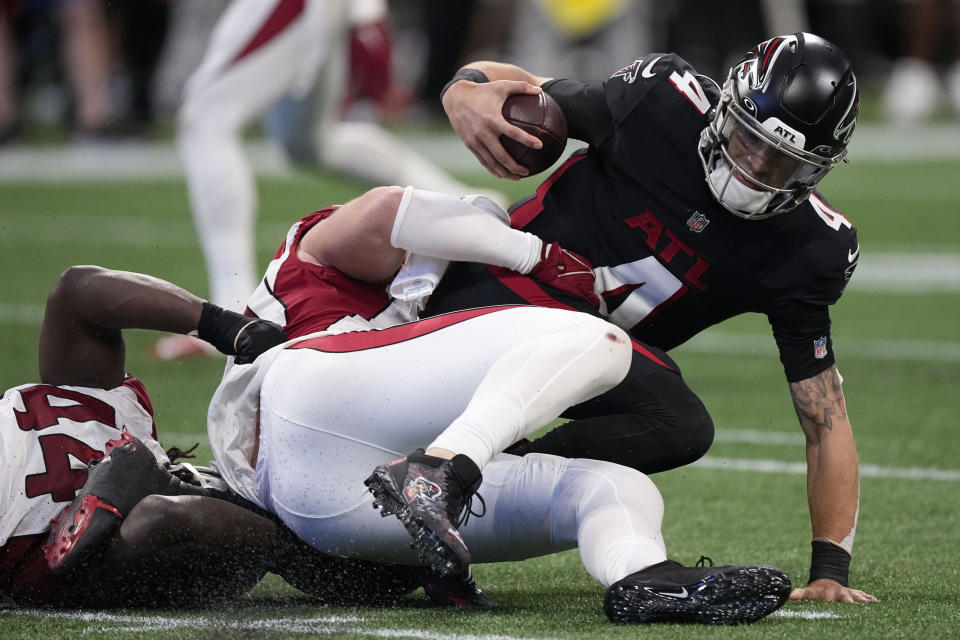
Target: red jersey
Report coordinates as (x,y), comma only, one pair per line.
(306,297)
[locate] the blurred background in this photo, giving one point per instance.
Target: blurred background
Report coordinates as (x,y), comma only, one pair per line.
(78,71)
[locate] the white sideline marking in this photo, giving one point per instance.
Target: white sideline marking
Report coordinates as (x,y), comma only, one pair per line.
(792,439)
(755,436)
(137,160)
(120,231)
(800,468)
(806,615)
(327,625)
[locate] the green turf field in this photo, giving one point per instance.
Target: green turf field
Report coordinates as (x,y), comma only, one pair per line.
(896,336)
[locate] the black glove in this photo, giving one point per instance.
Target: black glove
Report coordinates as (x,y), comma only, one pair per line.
(237,335)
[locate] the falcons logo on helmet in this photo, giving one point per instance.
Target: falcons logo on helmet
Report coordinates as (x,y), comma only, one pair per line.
(764,57)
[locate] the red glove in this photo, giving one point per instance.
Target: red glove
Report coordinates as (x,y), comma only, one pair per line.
(566,271)
(370,53)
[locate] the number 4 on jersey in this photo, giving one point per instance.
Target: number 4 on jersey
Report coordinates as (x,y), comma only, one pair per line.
(59,478)
(44,407)
(688,85)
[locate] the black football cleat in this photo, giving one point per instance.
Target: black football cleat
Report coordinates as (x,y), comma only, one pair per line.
(127,474)
(460,591)
(428,495)
(671,592)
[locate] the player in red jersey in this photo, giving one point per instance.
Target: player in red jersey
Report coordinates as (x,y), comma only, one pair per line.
(50,431)
(695,203)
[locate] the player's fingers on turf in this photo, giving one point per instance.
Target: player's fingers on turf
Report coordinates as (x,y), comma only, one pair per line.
(824,595)
(862,596)
(854,595)
(844,594)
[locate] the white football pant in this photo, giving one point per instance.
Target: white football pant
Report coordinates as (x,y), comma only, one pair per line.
(333,408)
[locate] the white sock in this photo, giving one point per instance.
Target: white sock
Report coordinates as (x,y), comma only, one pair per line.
(442,226)
(530,385)
(619,518)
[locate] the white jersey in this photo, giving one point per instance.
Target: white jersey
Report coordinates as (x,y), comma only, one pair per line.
(232,423)
(48,434)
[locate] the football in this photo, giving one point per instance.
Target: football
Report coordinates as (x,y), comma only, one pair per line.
(541,116)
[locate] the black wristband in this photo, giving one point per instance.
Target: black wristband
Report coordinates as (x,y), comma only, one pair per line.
(828,561)
(473,75)
(218,327)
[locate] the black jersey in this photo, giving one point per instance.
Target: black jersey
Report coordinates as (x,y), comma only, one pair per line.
(669,259)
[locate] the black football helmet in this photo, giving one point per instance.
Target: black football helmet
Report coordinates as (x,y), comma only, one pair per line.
(786,113)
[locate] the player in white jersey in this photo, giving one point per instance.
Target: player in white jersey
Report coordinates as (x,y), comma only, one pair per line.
(299,430)
(262,52)
(50,431)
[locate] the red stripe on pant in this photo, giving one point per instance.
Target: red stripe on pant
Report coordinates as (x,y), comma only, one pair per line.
(285,12)
(362,340)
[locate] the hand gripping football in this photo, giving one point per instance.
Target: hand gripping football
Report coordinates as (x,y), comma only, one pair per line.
(541,116)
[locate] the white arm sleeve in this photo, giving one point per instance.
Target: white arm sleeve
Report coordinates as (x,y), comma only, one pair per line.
(467,229)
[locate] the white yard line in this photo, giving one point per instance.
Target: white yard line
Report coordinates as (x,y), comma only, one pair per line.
(881,271)
(903,272)
(800,468)
(324,626)
(756,436)
(806,615)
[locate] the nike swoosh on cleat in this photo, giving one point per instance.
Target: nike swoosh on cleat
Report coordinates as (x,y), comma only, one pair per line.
(648,70)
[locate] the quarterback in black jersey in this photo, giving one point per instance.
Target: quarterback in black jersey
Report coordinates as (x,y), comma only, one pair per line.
(695,202)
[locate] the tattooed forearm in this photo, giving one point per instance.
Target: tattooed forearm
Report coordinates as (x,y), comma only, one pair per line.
(818,401)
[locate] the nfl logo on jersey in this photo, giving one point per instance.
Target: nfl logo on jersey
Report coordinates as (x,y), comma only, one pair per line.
(697,222)
(820,348)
